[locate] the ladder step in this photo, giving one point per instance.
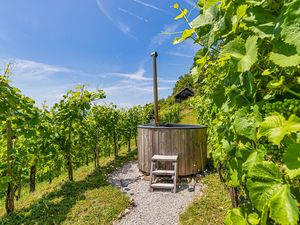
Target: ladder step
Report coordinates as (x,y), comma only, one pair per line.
(163,172)
(162,185)
(171,158)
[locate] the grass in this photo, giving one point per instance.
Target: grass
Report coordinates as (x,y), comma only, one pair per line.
(90,199)
(211,207)
(188,117)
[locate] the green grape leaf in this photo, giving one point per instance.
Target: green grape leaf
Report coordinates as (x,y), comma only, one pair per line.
(218,95)
(283,207)
(264,30)
(208,3)
(181,15)
(291,24)
(212,12)
(202,61)
(185,34)
(235,217)
(194,73)
(240,13)
(275,127)
(245,123)
(234,48)
(234,178)
(293,173)
(266,72)
(208,17)
(265,171)
(200,53)
(291,160)
(264,180)
(284,60)
(199,21)
(245,53)
(251,54)
(4,181)
(247,81)
(253,219)
(241,216)
(291,156)
(254,158)
(261,22)
(276,83)
(235,168)
(284,55)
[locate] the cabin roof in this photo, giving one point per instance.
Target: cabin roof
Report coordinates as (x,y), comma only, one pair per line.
(184,93)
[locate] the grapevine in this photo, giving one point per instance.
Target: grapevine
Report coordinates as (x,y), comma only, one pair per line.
(287,107)
(248,71)
(40,144)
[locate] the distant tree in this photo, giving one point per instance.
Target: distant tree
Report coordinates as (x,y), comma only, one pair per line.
(183,82)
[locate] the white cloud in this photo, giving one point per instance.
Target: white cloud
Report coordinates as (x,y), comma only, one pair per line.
(132,88)
(36,80)
(118,24)
(187,49)
(138,75)
(32,70)
(162,80)
(132,14)
(190,2)
(27,69)
(160,38)
(180,54)
(150,6)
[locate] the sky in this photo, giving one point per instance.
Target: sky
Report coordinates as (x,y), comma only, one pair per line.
(55,45)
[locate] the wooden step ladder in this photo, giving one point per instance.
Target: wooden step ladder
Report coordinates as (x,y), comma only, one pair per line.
(155,172)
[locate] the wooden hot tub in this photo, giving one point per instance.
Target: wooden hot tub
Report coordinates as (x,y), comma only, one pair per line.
(189,142)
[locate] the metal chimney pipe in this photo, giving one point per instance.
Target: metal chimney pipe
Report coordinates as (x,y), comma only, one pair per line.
(155,92)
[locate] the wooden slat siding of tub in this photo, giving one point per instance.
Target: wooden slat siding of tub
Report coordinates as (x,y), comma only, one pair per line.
(175,146)
(195,151)
(201,167)
(151,150)
(200,162)
(179,141)
(192,152)
(140,148)
(169,148)
(202,135)
(163,146)
(188,144)
(146,144)
(205,147)
(202,147)
(185,150)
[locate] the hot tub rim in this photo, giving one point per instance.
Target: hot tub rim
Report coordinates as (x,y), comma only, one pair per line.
(173,126)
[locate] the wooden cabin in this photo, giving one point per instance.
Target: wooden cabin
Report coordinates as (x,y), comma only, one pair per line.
(183,95)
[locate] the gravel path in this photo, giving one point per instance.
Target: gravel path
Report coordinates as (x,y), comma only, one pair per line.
(150,208)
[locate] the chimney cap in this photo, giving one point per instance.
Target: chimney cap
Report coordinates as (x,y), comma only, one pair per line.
(154,54)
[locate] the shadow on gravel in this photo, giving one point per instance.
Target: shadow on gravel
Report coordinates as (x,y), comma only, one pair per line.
(49,211)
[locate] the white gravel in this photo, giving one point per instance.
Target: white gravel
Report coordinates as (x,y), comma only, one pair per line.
(150,208)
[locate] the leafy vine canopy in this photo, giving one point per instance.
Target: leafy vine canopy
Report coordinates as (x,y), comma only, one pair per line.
(248,68)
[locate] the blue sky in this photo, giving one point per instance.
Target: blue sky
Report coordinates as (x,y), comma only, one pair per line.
(55,45)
